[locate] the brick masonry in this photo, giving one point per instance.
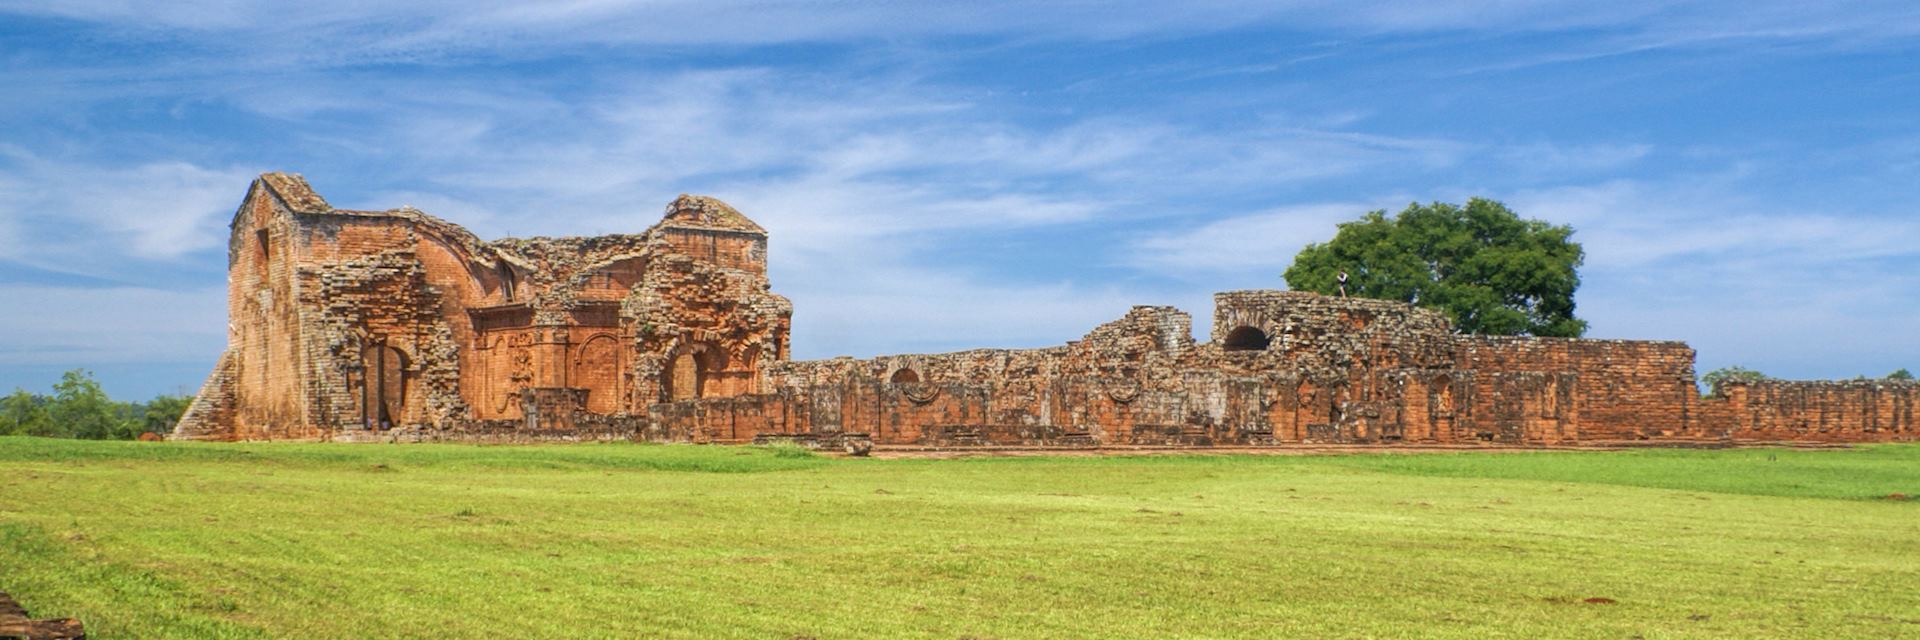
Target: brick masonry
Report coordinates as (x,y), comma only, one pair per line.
(394,325)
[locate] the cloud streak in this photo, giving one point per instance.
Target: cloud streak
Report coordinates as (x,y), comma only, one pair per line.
(150,211)
(88,326)
(376,30)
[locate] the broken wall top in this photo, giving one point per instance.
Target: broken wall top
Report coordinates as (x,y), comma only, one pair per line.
(703,212)
(547,260)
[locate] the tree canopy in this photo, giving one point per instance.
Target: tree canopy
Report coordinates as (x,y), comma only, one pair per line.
(79,408)
(1491,271)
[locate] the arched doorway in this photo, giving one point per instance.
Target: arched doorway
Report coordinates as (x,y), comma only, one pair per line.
(686,375)
(596,368)
(1246,339)
(383,386)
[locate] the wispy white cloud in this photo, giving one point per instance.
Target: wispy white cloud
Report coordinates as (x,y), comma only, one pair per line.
(1700,258)
(1631,224)
(68,326)
(69,210)
(814,166)
(1556,161)
(1264,241)
(892,162)
(362,31)
(905,308)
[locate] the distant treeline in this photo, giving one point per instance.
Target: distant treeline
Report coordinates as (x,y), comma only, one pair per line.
(78,408)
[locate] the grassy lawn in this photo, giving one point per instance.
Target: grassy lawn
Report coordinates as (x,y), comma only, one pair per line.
(145,540)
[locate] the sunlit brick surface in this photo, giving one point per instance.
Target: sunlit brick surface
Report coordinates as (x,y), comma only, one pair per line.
(357,325)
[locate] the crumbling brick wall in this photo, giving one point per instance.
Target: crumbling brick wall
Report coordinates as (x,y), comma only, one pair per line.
(390,325)
(1566,389)
(1824,411)
(347,321)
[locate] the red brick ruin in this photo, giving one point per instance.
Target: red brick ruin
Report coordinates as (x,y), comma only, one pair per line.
(386,325)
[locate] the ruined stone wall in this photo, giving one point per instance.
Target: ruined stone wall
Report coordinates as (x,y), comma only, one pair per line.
(394,325)
(1325,335)
(379,320)
(268,363)
(378,282)
(257,388)
(1836,411)
(1328,369)
(725,322)
(984,393)
(721,248)
(1569,389)
(557,325)
(1125,382)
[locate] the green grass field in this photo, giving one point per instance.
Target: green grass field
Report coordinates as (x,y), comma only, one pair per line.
(144,540)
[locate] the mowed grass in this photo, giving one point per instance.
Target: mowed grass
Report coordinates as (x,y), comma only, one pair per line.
(144,540)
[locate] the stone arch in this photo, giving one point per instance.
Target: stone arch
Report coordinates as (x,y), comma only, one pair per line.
(906,375)
(508,281)
(596,368)
(690,369)
(1245,338)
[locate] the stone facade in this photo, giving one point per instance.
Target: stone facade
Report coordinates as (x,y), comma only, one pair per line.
(345,323)
(354,325)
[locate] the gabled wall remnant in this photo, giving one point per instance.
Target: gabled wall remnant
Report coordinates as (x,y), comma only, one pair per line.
(360,325)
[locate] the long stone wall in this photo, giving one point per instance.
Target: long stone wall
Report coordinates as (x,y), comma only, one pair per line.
(394,325)
(1332,371)
(1561,389)
(1837,411)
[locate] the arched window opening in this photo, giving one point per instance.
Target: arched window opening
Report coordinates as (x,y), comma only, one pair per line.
(905,376)
(1246,339)
(506,281)
(383,386)
(266,248)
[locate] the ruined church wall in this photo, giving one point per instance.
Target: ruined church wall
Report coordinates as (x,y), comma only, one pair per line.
(1326,335)
(989,395)
(372,281)
(723,248)
(263,372)
(675,335)
(1826,411)
(1567,389)
(1332,369)
(727,320)
(1130,381)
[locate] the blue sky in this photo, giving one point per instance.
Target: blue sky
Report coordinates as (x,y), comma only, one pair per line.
(1744,175)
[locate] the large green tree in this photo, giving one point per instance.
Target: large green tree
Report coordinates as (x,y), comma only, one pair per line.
(162,412)
(1491,271)
(82,409)
(25,414)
